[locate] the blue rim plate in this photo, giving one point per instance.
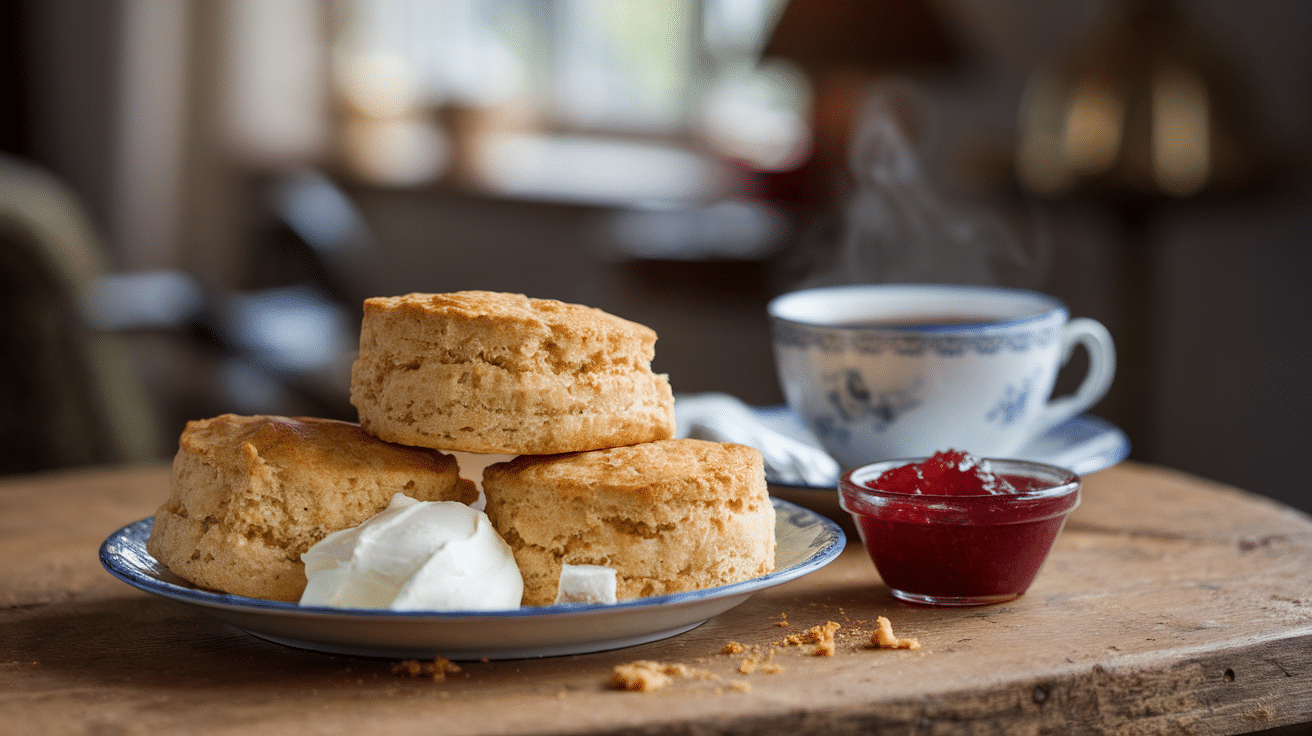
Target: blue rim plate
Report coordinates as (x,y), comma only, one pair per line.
(806,541)
(1084,444)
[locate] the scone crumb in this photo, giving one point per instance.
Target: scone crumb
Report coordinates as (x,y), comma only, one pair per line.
(883,638)
(437,669)
(741,686)
(756,662)
(769,667)
(646,676)
(642,676)
(733,647)
(821,635)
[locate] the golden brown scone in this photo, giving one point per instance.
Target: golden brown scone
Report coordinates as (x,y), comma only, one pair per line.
(249,494)
(480,371)
(668,516)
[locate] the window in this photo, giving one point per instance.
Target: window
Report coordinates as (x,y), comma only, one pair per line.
(636,99)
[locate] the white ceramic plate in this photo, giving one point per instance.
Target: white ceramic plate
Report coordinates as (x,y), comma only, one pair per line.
(1082,445)
(806,542)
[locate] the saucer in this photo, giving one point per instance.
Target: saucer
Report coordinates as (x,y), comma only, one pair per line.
(1082,445)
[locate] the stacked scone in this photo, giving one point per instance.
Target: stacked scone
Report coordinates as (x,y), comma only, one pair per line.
(668,516)
(249,495)
(479,371)
(598,484)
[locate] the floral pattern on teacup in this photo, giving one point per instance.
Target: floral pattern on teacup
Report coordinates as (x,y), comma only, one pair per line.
(1011,405)
(852,401)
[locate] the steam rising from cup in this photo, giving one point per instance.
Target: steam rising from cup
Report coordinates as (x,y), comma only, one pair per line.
(894,227)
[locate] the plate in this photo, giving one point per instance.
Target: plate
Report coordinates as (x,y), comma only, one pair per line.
(1083,444)
(805,542)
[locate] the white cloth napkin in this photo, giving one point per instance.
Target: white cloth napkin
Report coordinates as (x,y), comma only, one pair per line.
(724,418)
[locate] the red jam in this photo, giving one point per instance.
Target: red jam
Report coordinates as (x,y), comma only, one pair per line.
(946,473)
(953,530)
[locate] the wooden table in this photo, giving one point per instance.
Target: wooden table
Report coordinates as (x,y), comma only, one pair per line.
(1170,605)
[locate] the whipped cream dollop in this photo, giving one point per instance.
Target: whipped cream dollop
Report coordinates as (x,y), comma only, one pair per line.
(415,556)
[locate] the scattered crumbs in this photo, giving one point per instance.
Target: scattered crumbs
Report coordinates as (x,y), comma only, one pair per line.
(646,676)
(825,646)
(883,638)
(822,636)
(641,676)
(756,662)
(438,669)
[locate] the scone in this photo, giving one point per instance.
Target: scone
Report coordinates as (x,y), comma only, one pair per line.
(668,516)
(249,494)
(489,372)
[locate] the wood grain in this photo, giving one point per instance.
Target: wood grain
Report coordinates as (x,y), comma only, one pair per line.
(1170,605)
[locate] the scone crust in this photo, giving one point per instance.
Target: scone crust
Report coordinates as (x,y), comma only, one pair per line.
(669,516)
(492,372)
(249,494)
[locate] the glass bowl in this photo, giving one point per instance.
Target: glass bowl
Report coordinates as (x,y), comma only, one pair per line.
(961,550)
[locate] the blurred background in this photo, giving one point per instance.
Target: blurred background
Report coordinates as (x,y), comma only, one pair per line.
(197,196)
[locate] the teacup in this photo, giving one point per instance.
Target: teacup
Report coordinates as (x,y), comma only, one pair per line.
(887,371)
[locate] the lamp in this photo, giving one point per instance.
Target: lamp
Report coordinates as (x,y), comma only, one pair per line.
(841,46)
(888,35)
(1144,113)
(1144,108)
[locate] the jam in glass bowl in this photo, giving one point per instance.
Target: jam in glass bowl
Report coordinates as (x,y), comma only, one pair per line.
(964,542)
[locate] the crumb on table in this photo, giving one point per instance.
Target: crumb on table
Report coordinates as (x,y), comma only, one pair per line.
(883,638)
(821,635)
(646,675)
(733,647)
(755,662)
(437,669)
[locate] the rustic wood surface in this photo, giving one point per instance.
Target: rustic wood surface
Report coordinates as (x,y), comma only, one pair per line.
(1170,605)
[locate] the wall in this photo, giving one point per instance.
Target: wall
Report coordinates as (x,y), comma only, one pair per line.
(1228,306)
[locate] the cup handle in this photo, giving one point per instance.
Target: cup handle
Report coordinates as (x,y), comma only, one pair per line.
(1102,368)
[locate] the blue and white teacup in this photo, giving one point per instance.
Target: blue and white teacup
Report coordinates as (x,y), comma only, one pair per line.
(888,371)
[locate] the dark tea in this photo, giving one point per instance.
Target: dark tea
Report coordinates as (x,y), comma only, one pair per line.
(928,320)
